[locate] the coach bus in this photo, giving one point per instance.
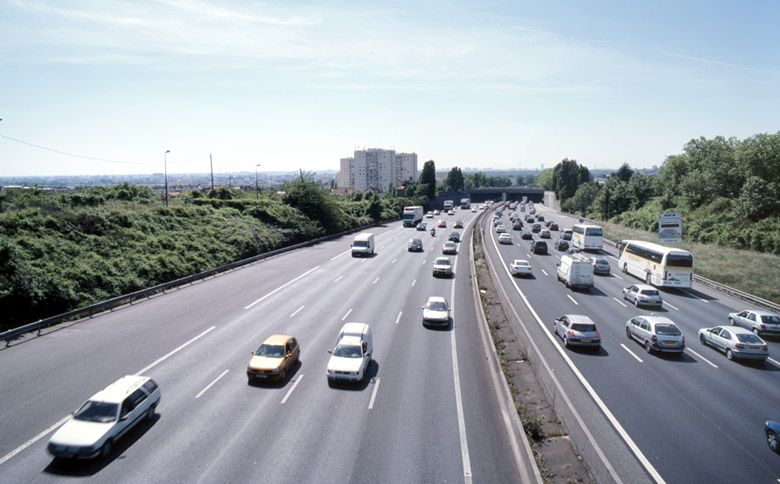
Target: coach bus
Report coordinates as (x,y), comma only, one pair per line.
(657,265)
(587,237)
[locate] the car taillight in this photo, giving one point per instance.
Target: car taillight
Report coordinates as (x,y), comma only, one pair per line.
(765,348)
(739,346)
(570,333)
(598,335)
(763,326)
(654,339)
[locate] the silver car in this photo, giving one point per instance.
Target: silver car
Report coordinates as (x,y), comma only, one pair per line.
(760,322)
(642,295)
(577,330)
(600,265)
(656,333)
(442,267)
(736,342)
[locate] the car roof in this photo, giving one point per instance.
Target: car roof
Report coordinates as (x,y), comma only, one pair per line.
(762,312)
(277,339)
(579,318)
(520,261)
(737,329)
(654,320)
(437,299)
(441,259)
(449,242)
(350,340)
(354,327)
(644,287)
(120,389)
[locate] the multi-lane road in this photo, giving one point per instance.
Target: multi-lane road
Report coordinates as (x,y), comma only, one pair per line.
(428,412)
(695,418)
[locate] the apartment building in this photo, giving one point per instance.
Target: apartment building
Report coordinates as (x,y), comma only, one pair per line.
(376,169)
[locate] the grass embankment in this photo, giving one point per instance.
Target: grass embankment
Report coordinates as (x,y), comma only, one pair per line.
(754,272)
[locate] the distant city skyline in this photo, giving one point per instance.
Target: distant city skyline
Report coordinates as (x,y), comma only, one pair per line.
(488,85)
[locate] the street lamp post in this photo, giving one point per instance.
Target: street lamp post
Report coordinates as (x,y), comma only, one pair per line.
(257,190)
(165,157)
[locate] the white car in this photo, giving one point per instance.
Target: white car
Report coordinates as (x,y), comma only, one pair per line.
(449,248)
(738,343)
(429,215)
(505,238)
(520,267)
(350,358)
(442,267)
(436,311)
(451,212)
(105,417)
(500,229)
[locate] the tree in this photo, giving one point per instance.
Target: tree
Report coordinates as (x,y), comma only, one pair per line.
(455,180)
(545,179)
(567,176)
(583,198)
(624,172)
(758,198)
(428,178)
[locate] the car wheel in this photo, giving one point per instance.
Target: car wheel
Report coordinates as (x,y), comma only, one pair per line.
(756,332)
(150,413)
(647,279)
(636,302)
(565,342)
(628,333)
(648,347)
(771,440)
(625,268)
(702,340)
(732,322)
(729,354)
(107,448)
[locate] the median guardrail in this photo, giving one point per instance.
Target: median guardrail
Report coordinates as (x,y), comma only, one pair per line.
(91,310)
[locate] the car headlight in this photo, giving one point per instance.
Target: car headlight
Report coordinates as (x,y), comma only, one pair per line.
(275,370)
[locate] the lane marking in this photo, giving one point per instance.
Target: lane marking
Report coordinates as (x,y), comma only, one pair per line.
(697,297)
(64,419)
(212,383)
(615,275)
(375,281)
(373,394)
(297,311)
(289,392)
(171,353)
(339,255)
(394,260)
(596,398)
(414,282)
(703,358)
(545,273)
(631,353)
(424,261)
(338,278)
(399,316)
(282,287)
(771,360)
(345,316)
(671,306)
(528,255)
(464,444)
(572,299)
(619,302)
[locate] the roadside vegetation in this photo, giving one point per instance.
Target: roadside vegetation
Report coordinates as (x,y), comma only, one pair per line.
(61,251)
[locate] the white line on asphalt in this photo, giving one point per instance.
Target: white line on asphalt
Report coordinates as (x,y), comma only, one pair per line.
(33,440)
(345,316)
(558,257)
(572,299)
(373,394)
(424,261)
(394,260)
(339,255)
(397,319)
(545,272)
(615,275)
(631,353)
(181,347)
(282,287)
(619,302)
(613,257)
(296,311)
(771,360)
(464,444)
(697,297)
(212,383)
(671,306)
(414,282)
(289,392)
(527,254)
(375,281)
(338,278)
(703,358)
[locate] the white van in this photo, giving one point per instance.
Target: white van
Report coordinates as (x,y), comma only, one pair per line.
(363,245)
(576,271)
(350,358)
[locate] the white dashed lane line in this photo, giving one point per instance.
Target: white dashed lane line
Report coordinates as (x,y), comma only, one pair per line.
(414,282)
(292,388)
(399,314)
(215,380)
(545,273)
(702,358)
(296,311)
(667,304)
(373,394)
(615,275)
(619,302)
(375,281)
(631,353)
(572,300)
(346,315)
(338,278)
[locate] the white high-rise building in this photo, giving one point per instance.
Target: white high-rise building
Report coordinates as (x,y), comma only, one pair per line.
(346,176)
(405,168)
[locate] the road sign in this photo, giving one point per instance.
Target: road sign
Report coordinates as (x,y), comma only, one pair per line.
(670,228)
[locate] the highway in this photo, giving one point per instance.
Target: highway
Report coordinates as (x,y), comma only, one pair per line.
(428,412)
(692,419)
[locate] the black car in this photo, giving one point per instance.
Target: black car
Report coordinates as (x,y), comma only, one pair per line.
(539,247)
(540,218)
(536,228)
(415,245)
(561,244)
(529,220)
(454,237)
(517,225)
(422,226)
(527,236)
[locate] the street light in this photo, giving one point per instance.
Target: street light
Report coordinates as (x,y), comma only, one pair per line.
(165,157)
(257,191)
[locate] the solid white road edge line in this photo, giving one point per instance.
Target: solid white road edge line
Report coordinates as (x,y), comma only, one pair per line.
(339,255)
(596,398)
(464,444)
(572,300)
(181,347)
(771,360)
(289,392)
(399,314)
(297,311)
(345,316)
(619,302)
(64,419)
(282,287)
(212,383)
(631,353)
(703,358)
(373,394)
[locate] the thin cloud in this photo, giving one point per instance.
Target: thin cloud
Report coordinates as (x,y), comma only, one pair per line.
(720,63)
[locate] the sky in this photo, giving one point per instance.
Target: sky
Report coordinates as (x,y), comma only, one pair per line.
(300,84)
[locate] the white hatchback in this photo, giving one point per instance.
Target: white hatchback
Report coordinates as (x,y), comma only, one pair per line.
(436,311)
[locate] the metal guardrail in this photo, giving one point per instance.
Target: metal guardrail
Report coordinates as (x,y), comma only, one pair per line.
(114,302)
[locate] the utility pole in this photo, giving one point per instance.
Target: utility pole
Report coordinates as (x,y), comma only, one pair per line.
(211,162)
(165,157)
(257,191)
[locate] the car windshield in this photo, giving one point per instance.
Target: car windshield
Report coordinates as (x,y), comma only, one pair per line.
(436,306)
(749,338)
(667,329)
(442,262)
(347,351)
(771,319)
(583,327)
(97,412)
(650,292)
(270,351)
(359,243)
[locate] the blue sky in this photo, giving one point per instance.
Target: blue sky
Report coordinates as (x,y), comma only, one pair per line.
(300,84)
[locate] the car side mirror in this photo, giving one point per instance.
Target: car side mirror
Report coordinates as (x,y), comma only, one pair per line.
(123,418)
(330,352)
(368,354)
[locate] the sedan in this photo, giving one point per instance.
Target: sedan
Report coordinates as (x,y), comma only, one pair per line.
(505,239)
(454,237)
(656,333)
(600,265)
(527,236)
(545,234)
(736,342)
(422,226)
(642,294)
(436,311)
(500,229)
(561,245)
(449,248)
(577,330)
(442,267)
(772,430)
(415,245)
(429,215)
(520,267)
(458,224)
(273,359)
(451,212)
(553,226)
(759,321)
(442,224)
(536,228)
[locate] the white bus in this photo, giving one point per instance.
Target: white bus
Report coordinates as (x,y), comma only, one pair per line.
(657,265)
(587,237)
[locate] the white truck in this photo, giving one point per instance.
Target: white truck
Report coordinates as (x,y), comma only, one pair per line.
(575,271)
(465,203)
(412,215)
(363,245)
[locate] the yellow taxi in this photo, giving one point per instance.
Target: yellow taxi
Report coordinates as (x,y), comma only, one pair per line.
(278,354)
